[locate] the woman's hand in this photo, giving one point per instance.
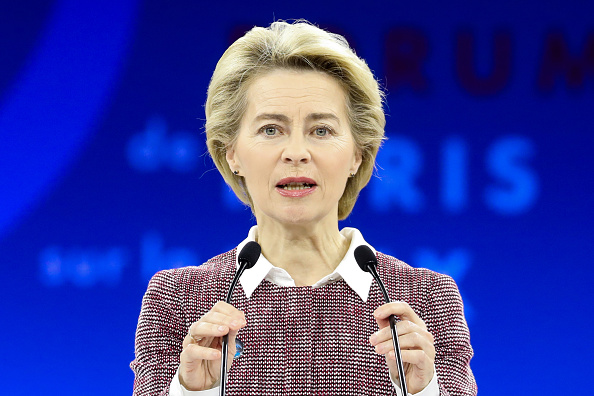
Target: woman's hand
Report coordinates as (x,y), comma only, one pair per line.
(200,360)
(416,345)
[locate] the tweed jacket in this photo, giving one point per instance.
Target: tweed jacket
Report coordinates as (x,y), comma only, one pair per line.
(300,340)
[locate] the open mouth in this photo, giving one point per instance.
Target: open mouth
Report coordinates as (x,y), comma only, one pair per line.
(295,186)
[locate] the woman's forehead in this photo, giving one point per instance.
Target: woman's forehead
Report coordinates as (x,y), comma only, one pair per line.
(287,92)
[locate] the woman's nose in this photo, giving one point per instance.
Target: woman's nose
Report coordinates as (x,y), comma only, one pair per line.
(296,151)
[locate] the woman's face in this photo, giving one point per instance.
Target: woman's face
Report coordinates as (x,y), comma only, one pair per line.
(295,148)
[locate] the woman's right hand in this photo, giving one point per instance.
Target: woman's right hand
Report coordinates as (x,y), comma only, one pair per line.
(200,360)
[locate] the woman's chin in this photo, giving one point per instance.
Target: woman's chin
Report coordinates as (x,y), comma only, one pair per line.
(292,215)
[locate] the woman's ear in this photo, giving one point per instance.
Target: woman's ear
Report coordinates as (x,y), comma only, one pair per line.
(356,162)
(231,159)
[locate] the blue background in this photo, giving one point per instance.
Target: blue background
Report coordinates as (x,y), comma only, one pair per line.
(104,180)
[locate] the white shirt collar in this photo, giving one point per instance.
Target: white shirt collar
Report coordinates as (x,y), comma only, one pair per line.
(348,269)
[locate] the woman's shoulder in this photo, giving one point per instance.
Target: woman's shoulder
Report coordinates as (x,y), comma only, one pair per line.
(217,268)
(398,270)
(434,296)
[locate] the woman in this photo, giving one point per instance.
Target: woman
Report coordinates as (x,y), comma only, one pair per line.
(294,122)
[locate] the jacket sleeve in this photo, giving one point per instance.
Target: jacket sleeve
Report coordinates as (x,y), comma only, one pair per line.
(445,320)
(159,336)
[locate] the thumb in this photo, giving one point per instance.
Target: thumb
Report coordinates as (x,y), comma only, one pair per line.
(232,346)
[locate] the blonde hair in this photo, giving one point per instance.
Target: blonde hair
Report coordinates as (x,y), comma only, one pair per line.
(301,46)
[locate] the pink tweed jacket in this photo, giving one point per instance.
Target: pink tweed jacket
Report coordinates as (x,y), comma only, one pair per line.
(300,340)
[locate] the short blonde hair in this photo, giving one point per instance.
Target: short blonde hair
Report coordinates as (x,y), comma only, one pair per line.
(302,46)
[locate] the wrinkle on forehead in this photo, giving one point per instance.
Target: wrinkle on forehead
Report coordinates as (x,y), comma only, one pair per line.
(313,94)
(316,92)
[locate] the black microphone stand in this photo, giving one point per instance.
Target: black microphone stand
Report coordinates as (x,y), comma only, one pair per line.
(247,258)
(367,261)
(394,335)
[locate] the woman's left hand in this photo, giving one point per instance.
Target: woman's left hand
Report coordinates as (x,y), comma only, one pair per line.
(416,345)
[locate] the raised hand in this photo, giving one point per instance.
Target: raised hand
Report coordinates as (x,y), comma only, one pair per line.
(200,360)
(416,344)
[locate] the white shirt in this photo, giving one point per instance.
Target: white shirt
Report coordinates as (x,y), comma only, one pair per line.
(348,270)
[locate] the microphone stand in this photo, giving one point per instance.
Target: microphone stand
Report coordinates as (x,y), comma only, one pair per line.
(367,262)
(395,342)
(247,258)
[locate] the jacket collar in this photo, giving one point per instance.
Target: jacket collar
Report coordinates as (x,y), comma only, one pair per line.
(348,269)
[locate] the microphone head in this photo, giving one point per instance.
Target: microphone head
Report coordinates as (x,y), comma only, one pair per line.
(365,257)
(249,254)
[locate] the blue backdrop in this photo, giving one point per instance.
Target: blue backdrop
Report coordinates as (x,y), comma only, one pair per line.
(104,179)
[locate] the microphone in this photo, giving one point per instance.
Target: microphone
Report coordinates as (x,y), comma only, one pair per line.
(247,258)
(367,262)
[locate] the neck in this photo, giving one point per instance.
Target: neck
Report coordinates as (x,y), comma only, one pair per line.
(307,253)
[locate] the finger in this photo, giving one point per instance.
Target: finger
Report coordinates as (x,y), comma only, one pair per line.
(232,336)
(416,358)
(402,328)
(235,321)
(221,314)
(411,341)
(227,309)
(200,330)
(400,309)
(187,340)
(202,341)
(194,352)
(215,325)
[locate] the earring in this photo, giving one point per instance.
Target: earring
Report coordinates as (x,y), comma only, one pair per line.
(353,174)
(236,172)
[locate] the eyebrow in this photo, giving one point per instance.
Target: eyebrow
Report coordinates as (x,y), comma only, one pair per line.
(272,116)
(310,117)
(322,116)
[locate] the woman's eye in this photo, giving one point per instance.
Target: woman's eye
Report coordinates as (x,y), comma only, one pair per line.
(269,130)
(321,132)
